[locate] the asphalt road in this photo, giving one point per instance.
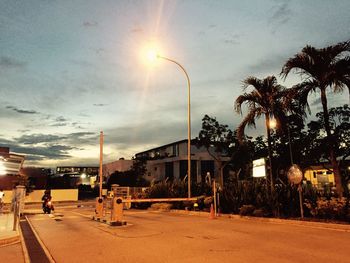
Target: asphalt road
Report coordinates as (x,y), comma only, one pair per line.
(70,236)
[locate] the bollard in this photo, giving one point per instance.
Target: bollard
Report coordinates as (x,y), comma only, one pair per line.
(117,212)
(15,216)
(98,209)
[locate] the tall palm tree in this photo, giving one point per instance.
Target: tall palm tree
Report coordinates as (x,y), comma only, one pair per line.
(321,70)
(268,99)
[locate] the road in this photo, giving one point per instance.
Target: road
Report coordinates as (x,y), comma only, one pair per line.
(154,237)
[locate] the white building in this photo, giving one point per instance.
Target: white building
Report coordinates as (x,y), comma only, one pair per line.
(170,161)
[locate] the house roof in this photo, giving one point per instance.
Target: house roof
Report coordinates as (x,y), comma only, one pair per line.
(166,145)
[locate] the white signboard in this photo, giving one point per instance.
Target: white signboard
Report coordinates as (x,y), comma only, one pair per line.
(259,169)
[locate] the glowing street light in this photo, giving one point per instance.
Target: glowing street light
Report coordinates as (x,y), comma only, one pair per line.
(152,56)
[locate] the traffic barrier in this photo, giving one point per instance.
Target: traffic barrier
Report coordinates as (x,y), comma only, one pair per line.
(116,205)
(212,212)
(99,211)
(117,212)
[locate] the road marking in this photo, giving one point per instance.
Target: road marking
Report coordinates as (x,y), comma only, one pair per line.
(83,215)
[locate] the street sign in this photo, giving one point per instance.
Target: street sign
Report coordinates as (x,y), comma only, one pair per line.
(295,175)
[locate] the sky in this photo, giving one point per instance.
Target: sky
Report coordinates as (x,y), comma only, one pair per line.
(72,68)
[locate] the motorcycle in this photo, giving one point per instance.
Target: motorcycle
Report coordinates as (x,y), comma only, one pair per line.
(48,207)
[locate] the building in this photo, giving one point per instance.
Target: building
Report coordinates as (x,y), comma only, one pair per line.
(10,169)
(170,161)
(73,176)
(319,176)
(120,165)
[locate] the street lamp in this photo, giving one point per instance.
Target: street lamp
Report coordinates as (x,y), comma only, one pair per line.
(152,55)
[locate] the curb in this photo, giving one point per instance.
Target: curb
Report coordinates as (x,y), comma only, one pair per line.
(46,251)
(10,240)
(24,247)
(331,226)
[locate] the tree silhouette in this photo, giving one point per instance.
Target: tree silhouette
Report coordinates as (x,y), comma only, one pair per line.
(322,69)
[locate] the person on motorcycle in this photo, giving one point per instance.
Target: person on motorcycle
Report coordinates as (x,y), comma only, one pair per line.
(46,201)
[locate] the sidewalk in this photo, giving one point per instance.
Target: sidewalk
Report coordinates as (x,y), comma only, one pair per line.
(333,226)
(7,235)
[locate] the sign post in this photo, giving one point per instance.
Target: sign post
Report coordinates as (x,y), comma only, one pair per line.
(295,176)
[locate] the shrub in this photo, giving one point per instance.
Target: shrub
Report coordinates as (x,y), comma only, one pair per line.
(246,210)
(335,208)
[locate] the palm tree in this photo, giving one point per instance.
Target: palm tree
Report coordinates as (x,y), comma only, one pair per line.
(322,69)
(268,99)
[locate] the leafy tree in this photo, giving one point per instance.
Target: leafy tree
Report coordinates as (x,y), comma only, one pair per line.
(219,141)
(322,69)
(268,99)
(316,141)
(132,177)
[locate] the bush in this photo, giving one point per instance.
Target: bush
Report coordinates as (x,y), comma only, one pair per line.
(335,208)
(161,206)
(246,210)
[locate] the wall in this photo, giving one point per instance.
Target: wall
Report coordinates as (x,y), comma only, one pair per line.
(57,195)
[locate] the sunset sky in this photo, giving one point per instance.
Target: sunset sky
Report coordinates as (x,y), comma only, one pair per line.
(72,68)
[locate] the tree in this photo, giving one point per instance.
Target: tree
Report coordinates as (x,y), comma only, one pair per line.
(322,69)
(315,146)
(268,99)
(219,142)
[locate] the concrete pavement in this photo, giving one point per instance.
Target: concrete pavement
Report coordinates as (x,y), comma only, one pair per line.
(7,235)
(70,236)
(10,245)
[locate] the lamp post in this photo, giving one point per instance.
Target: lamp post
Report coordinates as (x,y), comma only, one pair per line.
(151,56)
(290,146)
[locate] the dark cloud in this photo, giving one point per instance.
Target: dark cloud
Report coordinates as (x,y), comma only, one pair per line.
(47,146)
(61,119)
(39,138)
(270,65)
(232,39)
(98,50)
(53,151)
(90,24)
(136,30)
(59,124)
(100,104)
(21,110)
(281,13)
(10,63)
(152,133)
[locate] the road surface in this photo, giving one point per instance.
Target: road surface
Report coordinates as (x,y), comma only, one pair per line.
(71,236)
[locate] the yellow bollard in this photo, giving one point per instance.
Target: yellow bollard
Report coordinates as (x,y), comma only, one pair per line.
(98,209)
(117,212)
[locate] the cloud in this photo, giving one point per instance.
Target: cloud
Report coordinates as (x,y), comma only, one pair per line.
(281,13)
(272,64)
(39,138)
(145,134)
(46,152)
(61,119)
(38,147)
(21,110)
(90,24)
(232,39)
(136,30)
(100,104)
(10,63)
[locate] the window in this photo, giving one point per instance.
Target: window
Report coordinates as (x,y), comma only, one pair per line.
(175,150)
